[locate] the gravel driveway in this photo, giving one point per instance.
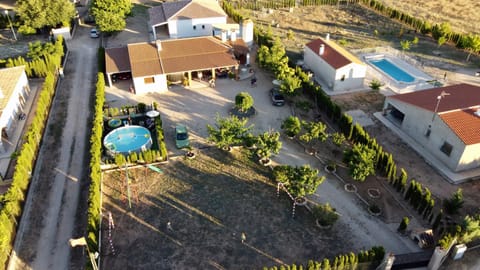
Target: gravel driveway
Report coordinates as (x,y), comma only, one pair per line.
(50,214)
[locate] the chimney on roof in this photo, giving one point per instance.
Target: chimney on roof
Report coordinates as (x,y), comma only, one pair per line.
(327,38)
(477,112)
(159,45)
(321,50)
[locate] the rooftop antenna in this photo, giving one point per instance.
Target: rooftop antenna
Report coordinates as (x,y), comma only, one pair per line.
(439,98)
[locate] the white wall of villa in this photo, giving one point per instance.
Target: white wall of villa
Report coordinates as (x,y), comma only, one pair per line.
(193,27)
(348,77)
(416,124)
(150,84)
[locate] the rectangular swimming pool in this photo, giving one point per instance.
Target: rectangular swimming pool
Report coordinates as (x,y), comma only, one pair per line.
(392,70)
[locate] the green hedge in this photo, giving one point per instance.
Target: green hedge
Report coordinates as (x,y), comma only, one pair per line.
(94,207)
(11,203)
(368,259)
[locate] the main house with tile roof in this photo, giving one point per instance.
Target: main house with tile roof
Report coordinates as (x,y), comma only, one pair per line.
(445,121)
(151,62)
(14,90)
(333,66)
(187,18)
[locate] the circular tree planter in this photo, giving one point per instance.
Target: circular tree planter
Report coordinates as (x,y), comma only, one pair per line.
(330,169)
(265,161)
(190,155)
(374,193)
(350,188)
(323,227)
(310,150)
(374,210)
(300,201)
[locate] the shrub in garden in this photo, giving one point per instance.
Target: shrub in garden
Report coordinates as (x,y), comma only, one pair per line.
(268,143)
(313,131)
(228,131)
(292,126)
(243,101)
(403,225)
(375,84)
(455,202)
(325,214)
(299,181)
(360,160)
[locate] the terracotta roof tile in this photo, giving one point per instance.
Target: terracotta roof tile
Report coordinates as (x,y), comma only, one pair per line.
(194,54)
(460,96)
(200,9)
(465,124)
(333,54)
(144,59)
(116,60)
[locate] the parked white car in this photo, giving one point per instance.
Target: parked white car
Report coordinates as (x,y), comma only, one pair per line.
(94,33)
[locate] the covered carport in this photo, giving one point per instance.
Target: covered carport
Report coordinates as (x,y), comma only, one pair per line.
(116,62)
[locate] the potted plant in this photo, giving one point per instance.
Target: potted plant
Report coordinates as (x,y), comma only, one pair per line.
(190,154)
(325,215)
(292,126)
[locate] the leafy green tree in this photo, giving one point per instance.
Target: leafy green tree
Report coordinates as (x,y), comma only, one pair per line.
(455,202)
(442,30)
(360,160)
(470,229)
(243,101)
(228,131)
(338,138)
(472,45)
(110,15)
(292,126)
(313,131)
(440,41)
(36,14)
(299,181)
(268,143)
(290,83)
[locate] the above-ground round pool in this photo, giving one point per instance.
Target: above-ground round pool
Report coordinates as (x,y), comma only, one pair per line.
(127,139)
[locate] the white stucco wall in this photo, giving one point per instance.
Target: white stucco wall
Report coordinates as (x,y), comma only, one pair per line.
(470,158)
(354,76)
(13,107)
(354,73)
(321,69)
(159,86)
(184,28)
(416,123)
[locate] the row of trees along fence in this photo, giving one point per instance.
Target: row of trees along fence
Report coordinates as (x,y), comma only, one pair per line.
(368,259)
(11,203)
(43,58)
(467,41)
(94,204)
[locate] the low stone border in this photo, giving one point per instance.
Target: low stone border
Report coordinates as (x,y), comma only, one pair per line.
(350,188)
(374,193)
(374,213)
(330,169)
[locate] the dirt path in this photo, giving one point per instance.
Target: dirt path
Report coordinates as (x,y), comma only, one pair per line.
(49,217)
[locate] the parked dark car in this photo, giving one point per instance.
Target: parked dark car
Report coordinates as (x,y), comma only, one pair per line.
(277,98)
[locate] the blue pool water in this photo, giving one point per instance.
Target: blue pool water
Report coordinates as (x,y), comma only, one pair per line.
(392,70)
(127,139)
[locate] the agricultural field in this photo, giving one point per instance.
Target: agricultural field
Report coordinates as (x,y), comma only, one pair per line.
(459,13)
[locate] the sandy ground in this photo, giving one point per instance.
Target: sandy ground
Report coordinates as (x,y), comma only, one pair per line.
(50,212)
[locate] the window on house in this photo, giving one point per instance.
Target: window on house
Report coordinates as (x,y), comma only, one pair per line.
(203,26)
(446,148)
(149,80)
(194,27)
(343,78)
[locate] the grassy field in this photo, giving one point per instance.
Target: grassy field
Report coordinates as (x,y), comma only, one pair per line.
(459,13)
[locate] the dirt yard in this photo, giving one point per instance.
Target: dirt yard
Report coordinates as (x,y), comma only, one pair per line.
(459,13)
(208,202)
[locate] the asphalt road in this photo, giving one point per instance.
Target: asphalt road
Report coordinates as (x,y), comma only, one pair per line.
(50,214)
